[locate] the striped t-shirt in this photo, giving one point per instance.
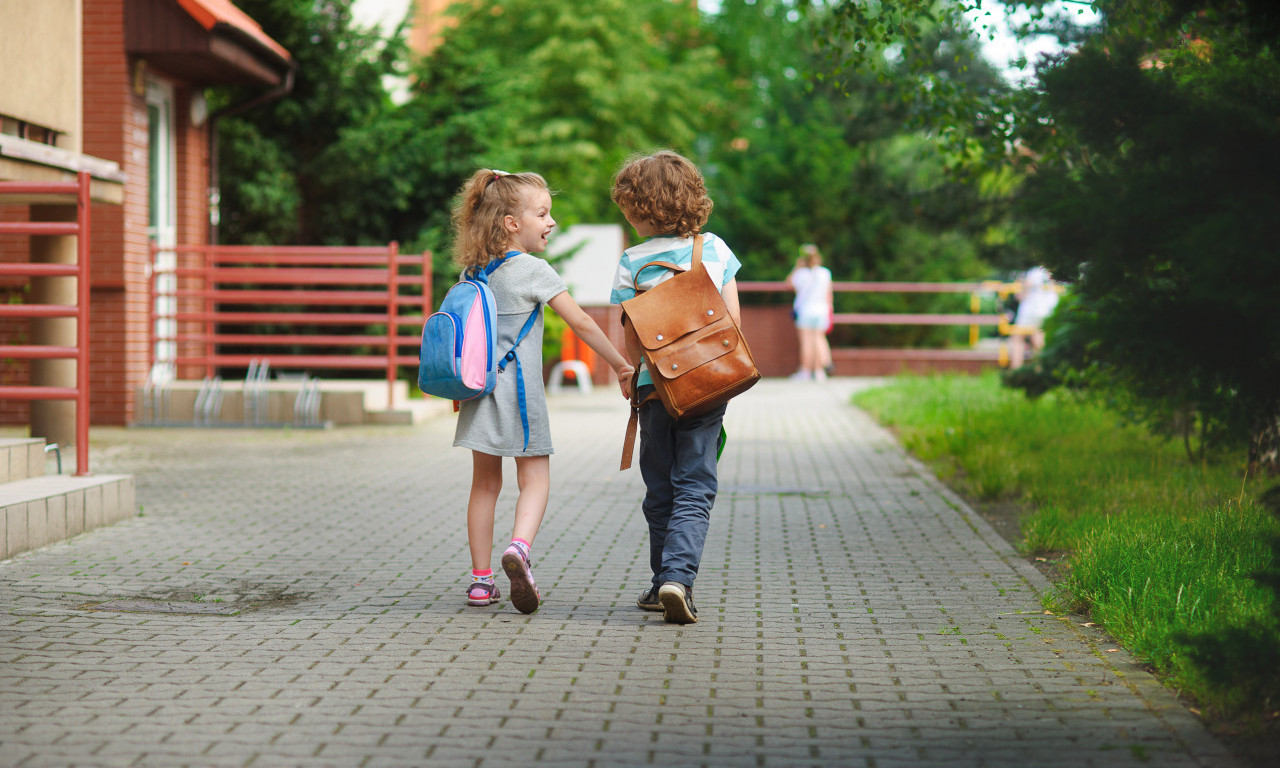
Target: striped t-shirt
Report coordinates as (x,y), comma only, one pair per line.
(720,262)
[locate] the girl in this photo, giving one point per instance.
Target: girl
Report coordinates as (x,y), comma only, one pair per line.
(812,309)
(507,216)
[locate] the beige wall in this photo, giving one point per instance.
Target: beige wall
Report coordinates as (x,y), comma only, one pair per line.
(40,65)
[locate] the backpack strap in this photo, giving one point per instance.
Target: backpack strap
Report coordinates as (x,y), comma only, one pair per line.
(694,262)
(633,423)
(481,274)
(511,355)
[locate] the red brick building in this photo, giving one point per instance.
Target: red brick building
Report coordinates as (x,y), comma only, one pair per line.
(145,64)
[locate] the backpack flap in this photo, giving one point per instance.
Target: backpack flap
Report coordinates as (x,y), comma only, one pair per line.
(702,347)
(675,308)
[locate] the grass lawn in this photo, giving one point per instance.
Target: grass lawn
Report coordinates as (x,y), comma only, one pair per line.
(1180,562)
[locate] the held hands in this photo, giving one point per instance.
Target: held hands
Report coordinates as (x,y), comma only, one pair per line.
(626,375)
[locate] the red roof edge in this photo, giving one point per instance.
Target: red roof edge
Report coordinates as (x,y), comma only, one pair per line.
(211,13)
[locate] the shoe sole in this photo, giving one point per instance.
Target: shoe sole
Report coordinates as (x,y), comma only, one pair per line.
(524,593)
(675,609)
(650,606)
(494,597)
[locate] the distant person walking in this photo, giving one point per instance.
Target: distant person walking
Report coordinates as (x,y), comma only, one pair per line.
(506,217)
(1036,301)
(813,310)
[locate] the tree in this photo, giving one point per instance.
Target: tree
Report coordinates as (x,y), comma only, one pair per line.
(1164,210)
(318,166)
(569,89)
(801,158)
(1152,188)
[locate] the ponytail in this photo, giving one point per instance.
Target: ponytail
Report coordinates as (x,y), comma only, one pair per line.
(480,235)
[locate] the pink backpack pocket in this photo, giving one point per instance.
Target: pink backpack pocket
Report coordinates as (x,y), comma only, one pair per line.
(475,361)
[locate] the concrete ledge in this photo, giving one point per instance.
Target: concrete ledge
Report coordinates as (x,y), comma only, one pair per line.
(21,458)
(343,402)
(39,511)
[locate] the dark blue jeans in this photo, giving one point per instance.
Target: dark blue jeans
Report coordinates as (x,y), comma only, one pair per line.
(678,464)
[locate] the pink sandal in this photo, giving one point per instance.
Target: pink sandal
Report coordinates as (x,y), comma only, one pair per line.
(524,592)
(483,593)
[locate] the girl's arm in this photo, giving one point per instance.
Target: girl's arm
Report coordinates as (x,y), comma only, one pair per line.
(587,330)
(730,295)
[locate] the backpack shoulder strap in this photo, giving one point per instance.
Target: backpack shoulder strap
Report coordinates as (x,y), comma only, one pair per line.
(481,274)
(511,355)
(697,259)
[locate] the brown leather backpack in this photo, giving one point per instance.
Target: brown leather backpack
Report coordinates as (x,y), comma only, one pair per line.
(694,350)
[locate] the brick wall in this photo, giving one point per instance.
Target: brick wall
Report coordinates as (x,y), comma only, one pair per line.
(13,248)
(116,128)
(193,208)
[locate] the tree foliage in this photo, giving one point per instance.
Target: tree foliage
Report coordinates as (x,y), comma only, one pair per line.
(1152,187)
(570,89)
(806,159)
(1163,207)
(319,165)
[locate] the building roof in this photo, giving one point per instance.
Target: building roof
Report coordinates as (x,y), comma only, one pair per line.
(211,13)
(204,42)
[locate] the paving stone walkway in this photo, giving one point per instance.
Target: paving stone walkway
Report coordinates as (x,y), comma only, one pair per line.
(303,606)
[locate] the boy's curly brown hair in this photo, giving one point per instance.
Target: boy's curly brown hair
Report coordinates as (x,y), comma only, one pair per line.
(666,189)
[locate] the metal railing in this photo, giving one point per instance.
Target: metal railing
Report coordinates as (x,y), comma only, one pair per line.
(974,319)
(80,311)
(346,292)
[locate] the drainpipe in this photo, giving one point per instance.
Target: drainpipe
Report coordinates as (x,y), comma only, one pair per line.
(279,92)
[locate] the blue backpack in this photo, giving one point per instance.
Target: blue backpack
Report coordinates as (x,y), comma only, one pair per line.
(459,358)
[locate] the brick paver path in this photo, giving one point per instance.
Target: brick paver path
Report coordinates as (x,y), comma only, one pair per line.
(853,612)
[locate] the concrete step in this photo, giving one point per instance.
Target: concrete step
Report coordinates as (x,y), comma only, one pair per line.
(343,402)
(21,458)
(38,511)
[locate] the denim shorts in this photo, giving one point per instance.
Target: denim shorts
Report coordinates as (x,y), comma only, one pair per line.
(813,320)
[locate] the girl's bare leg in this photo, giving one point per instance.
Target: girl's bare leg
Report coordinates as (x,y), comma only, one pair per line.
(809,353)
(824,351)
(533,475)
(803,339)
(486,484)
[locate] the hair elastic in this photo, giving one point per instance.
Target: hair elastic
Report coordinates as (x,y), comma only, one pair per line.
(496,175)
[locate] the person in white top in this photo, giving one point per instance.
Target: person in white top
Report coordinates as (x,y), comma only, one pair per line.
(812,309)
(1036,301)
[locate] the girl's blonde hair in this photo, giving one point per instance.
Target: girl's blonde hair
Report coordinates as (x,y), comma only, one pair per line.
(665,189)
(810,256)
(480,235)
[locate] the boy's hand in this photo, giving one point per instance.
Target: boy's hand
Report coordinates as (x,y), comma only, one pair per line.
(625,376)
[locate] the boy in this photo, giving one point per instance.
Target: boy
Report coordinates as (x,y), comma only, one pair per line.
(664,198)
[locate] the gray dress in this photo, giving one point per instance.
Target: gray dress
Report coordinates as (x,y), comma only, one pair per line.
(492,424)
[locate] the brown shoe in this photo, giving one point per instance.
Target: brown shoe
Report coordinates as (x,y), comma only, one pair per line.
(677,603)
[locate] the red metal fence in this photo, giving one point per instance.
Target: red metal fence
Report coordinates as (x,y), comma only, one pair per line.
(361,297)
(79,228)
(893,359)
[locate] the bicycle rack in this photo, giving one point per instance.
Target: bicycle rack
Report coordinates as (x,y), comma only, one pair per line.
(208,405)
(255,392)
(56,451)
(153,408)
(306,408)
